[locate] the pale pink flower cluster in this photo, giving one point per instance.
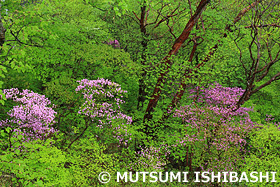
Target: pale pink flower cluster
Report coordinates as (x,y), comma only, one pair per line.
(214,125)
(33,118)
(102,99)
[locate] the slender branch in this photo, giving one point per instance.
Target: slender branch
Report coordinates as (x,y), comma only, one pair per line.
(165,18)
(268,65)
(245,10)
(137,21)
(269,51)
(159,14)
(190,4)
(274,78)
(16,38)
(261,26)
(79,136)
(171,29)
(202,23)
(136,15)
(147,14)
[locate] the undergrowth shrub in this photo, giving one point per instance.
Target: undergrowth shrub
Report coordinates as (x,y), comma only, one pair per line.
(264,154)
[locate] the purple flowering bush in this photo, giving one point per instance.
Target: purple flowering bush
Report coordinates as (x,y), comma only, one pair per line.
(102,100)
(33,118)
(215,131)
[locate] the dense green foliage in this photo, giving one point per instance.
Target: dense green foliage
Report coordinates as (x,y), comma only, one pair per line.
(101,63)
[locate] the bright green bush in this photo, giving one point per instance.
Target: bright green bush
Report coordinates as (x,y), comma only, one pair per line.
(87,158)
(37,163)
(264,155)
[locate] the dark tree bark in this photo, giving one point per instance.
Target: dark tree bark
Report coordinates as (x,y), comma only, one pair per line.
(143,23)
(167,59)
(2,32)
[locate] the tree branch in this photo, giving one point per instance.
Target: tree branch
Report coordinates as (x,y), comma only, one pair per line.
(136,16)
(78,136)
(261,26)
(274,78)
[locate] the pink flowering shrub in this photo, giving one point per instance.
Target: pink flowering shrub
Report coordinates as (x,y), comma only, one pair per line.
(215,131)
(102,99)
(33,118)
